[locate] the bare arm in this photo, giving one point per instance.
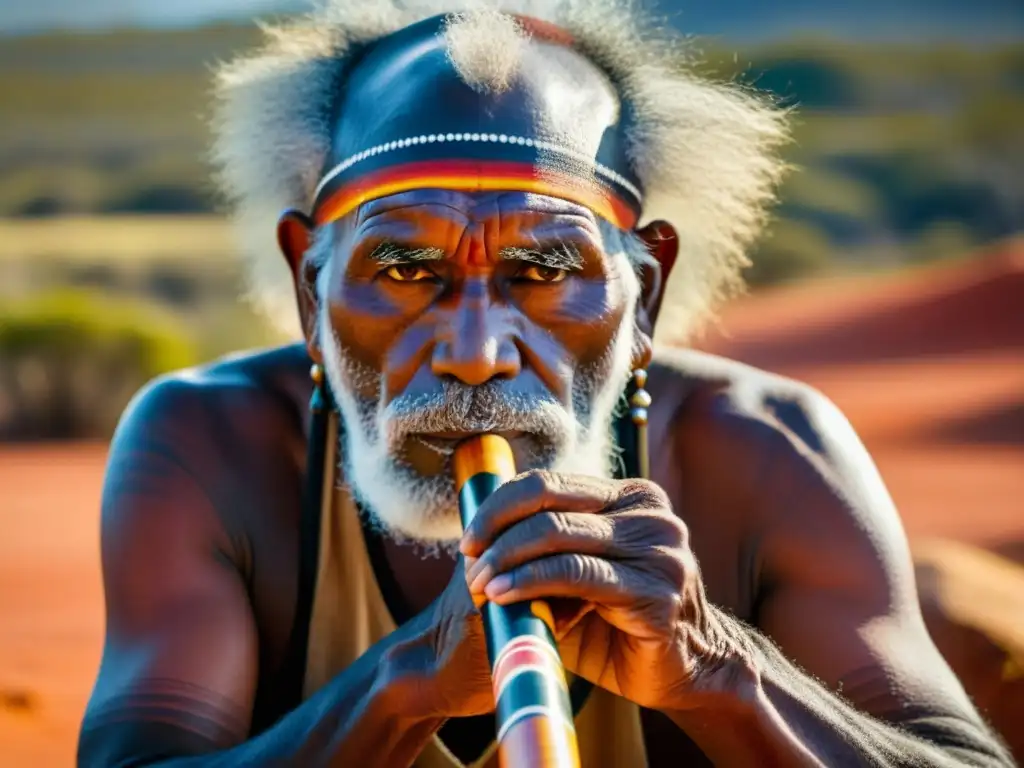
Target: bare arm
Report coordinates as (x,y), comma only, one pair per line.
(854,678)
(179,669)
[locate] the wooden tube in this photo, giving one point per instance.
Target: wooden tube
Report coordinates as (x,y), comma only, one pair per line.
(534,714)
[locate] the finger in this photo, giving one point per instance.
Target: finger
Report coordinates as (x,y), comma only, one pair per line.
(637,531)
(585,577)
(479,598)
(542,535)
(525,495)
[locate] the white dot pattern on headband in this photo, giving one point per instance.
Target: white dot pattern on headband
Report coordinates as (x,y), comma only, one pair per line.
(490,138)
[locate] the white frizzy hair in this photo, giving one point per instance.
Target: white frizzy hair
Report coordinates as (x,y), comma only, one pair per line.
(485,46)
(706,152)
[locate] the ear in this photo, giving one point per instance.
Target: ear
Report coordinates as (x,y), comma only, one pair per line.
(294,237)
(663,243)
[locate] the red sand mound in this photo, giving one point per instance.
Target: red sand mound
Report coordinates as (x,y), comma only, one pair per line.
(967,308)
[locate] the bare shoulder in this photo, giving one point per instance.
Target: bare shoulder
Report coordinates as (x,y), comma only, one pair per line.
(786,461)
(198,472)
(229,384)
(202,443)
(739,408)
(209,406)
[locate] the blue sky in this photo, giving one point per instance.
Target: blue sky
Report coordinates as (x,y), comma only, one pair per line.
(974,20)
(24,15)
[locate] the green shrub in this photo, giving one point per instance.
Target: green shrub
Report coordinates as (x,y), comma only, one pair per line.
(70,361)
(794,249)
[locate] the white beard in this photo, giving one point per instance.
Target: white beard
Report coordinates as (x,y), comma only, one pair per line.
(414,508)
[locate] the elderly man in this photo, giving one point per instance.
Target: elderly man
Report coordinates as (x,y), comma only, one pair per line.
(476,245)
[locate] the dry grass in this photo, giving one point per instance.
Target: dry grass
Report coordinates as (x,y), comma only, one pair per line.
(183,268)
(117,240)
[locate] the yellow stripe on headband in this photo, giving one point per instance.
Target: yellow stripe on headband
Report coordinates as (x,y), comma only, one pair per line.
(347,198)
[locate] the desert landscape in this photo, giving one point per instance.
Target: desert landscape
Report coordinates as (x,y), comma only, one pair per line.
(878,284)
(928,365)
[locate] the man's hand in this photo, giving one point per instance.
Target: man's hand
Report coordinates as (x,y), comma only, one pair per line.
(460,681)
(614,561)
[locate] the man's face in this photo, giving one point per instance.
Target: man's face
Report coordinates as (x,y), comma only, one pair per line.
(444,314)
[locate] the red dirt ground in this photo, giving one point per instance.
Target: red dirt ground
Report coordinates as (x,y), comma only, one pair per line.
(928,366)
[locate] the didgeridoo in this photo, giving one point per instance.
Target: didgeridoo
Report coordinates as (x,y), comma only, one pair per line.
(534,714)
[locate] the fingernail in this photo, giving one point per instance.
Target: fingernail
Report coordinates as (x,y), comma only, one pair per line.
(479,575)
(497,586)
(466,545)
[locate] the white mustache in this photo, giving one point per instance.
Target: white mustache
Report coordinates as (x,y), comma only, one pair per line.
(486,408)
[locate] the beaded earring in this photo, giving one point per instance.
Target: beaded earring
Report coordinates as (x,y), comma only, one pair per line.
(639,405)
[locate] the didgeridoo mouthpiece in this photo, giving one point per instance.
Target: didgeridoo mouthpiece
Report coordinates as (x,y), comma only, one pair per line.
(483,454)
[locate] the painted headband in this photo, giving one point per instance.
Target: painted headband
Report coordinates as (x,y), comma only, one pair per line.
(477,162)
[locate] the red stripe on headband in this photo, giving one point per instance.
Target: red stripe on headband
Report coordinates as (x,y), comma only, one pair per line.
(472,176)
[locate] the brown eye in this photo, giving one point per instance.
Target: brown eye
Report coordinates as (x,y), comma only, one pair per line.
(408,273)
(538,273)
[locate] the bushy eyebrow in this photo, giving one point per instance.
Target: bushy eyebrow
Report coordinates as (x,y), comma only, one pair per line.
(392,253)
(559,256)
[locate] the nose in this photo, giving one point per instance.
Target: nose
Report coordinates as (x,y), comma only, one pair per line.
(475,342)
